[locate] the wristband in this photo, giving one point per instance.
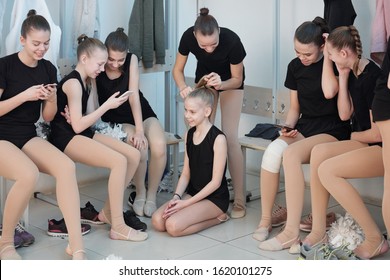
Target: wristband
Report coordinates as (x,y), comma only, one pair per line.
(177,195)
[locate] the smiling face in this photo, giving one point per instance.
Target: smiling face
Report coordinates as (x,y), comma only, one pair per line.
(307,53)
(207,42)
(94,64)
(116,59)
(36,43)
(195,111)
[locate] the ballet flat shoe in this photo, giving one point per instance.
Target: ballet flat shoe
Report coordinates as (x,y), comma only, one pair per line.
(138,206)
(275,245)
(262,233)
(149,208)
(11,255)
(133,235)
(381,249)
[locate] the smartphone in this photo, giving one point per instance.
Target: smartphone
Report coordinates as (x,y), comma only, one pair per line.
(126,93)
(50,85)
(287,128)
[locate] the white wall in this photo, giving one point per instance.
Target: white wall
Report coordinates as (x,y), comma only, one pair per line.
(254,21)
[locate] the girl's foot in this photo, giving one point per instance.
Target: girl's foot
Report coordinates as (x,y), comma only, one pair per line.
(275,244)
(149,208)
(262,233)
(382,248)
(128,233)
(223,218)
(77,255)
(138,206)
(8,252)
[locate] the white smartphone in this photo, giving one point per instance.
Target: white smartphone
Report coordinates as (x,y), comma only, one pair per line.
(126,93)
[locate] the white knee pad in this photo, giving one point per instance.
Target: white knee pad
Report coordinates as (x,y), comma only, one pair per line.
(272,158)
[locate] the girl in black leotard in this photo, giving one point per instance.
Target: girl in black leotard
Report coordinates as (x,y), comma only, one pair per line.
(201,198)
(27,84)
(77,140)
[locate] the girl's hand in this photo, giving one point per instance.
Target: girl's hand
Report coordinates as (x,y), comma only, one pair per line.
(343,71)
(185,91)
(34,93)
(115,100)
(49,93)
(173,206)
(213,80)
(139,141)
(66,114)
(291,133)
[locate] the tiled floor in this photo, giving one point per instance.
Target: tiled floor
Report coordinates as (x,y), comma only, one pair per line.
(231,240)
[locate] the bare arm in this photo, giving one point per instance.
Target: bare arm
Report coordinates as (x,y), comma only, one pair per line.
(214,80)
(329,82)
(49,106)
(73,91)
(178,75)
(139,140)
(368,136)
(344,100)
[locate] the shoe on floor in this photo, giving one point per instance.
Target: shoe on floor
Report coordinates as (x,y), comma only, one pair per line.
(238,211)
(262,233)
(279,216)
(27,238)
(321,251)
(131,199)
(89,215)
(133,221)
(58,228)
(307,223)
(18,240)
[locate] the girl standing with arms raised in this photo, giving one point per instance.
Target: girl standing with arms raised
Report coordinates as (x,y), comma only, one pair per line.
(220,56)
(78,141)
(27,84)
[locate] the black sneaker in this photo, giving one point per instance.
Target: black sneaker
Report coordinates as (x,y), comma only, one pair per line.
(131,199)
(133,221)
(58,228)
(89,215)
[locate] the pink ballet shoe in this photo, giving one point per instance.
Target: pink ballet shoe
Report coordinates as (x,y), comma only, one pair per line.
(223,218)
(262,233)
(73,254)
(381,249)
(275,245)
(103,218)
(133,235)
(9,253)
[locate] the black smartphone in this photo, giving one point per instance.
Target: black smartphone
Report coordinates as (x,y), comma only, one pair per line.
(287,128)
(177,136)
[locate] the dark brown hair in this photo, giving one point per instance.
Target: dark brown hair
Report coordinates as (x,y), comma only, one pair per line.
(312,32)
(117,40)
(205,24)
(34,21)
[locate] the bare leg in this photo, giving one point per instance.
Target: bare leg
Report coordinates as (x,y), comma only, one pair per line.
(24,172)
(192,219)
(384,127)
(319,195)
(231,103)
(52,161)
(333,173)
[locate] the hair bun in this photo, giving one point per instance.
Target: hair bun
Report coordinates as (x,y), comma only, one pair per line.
(31,12)
(82,38)
(120,29)
(204,11)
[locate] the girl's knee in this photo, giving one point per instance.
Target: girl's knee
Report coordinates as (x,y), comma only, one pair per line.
(158,222)
(172,228)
